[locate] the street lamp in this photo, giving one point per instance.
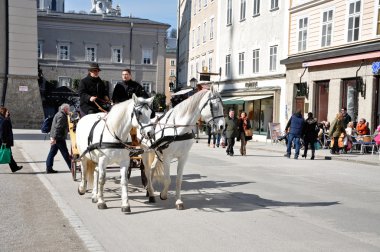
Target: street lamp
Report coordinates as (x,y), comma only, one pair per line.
(193,83)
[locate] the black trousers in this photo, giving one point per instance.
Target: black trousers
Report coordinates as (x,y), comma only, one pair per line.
(306,147)
(230,145)
(13,165)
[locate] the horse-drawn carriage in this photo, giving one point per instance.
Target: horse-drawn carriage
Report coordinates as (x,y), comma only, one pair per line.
(102,139)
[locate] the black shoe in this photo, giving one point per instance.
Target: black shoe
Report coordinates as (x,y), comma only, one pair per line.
(312,158)
(17,169)
(295,157)
(304,155)
(51,171)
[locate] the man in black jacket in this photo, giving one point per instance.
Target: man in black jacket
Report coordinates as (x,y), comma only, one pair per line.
(92,91)
(124,90)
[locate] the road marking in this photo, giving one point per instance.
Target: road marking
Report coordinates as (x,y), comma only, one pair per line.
(84,234)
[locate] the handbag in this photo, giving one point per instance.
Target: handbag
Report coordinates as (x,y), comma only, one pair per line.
(248,132)
(317,145)
(5,154)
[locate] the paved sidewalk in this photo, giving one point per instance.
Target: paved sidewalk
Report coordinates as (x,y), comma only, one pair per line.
(355,157)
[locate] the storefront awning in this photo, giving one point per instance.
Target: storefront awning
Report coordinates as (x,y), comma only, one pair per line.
(183,91)
(242,99)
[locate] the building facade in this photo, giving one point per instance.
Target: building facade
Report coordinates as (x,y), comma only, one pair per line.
(170,68)
(69,42)
(333,45)
(18,63)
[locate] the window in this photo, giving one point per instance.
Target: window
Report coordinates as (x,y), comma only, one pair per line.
(243,5)
(228,65)
(353,21)
(273,58)
(172,62)
(378,18)
(40,49)
(172,72)
(256,7)
(117,55)
(327,19)
(205,3)
(255,61)
(229,12)
(241,63)
(63,52)
(64,81)
(199,5)
(302,34)
(198,35)
(210,64)
(147,86)
(211,28)
(204,32)
(195,7)
(90,53)
(273,4)
(147,55)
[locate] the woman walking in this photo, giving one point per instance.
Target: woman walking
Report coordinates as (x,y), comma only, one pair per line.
(244,124)
(310,135)
(6,134)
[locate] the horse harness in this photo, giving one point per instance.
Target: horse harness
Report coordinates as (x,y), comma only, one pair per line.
(111,145)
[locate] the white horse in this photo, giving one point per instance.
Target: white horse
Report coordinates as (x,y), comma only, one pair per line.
(174,135)
(102,139)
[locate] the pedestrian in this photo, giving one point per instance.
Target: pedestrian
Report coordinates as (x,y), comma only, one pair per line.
(58,135)
(93,92)
(310,135)
(244,125)
(294,127)
(336,129)
(231,131)
(346,117)
(362,128)
(210,135)
(6,134)
(124,90)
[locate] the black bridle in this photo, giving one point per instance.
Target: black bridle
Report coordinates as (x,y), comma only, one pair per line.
(213,117)
(137,112)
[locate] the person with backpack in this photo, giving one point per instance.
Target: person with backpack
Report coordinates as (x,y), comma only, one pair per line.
(310,135)
(58,135)
(295,128)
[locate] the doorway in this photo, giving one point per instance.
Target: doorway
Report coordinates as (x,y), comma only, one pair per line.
(322,100)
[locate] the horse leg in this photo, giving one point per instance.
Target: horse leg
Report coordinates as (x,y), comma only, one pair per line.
(166,164)
(147,159)
(83,183)
(125,207)
(94,198)
(180,166)
(102,180)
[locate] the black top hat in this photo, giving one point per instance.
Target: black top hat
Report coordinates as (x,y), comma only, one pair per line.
(94,66)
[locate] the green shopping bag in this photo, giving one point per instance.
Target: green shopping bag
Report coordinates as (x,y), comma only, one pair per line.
(5,154)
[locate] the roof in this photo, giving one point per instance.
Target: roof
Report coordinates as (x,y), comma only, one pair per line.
(100,18)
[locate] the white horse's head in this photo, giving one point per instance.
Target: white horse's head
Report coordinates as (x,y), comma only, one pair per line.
(142,112)
(212,110)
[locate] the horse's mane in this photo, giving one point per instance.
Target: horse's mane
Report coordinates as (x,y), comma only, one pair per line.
(118,114)
(190,104)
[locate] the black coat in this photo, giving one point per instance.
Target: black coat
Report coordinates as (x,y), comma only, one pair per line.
(6,132)
(124,90)
(90,86)
(310,130)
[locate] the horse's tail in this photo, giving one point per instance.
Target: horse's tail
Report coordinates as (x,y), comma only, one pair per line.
(157,170)
(90,173)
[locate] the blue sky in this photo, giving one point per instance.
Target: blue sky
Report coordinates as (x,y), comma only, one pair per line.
(162,11)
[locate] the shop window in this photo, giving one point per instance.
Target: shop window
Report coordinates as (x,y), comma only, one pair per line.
(350,98)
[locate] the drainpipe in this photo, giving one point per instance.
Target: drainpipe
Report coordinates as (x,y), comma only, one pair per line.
(6,52)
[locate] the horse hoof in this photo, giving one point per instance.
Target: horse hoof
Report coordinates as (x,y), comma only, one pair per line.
(180,207)
(80,192)
(102,206)
(94,200)
(162,198)
(152,199)
(126,209)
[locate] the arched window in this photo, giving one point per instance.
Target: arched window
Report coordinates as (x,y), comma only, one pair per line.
(54,5)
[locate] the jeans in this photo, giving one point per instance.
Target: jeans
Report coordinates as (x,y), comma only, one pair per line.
(62,147)
(297,143)
(209,139)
